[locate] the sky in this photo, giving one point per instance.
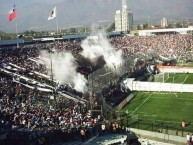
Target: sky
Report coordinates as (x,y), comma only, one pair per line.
(33,14)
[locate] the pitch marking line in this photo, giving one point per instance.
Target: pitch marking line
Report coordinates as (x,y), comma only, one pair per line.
(168,121)
(174,98)
(166,78)
(149,115)
(185,79)
(163,93)
(142,103)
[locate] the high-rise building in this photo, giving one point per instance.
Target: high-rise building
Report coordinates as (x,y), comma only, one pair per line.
(130,21)
(164,22)
(125,23)
(124,19)
(118,21)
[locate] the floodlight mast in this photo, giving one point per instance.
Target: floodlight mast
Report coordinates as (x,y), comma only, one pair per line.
(52,80)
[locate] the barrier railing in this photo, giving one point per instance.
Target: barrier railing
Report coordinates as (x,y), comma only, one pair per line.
(166,127)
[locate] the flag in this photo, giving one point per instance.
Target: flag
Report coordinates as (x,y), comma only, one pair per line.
(12,14)
(52,15)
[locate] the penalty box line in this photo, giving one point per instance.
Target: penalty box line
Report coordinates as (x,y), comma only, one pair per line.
(142,103)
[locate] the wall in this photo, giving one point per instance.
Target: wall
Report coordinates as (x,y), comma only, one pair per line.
(166,137)
(158,86)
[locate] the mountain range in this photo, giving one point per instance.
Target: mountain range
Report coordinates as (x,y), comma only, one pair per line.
(33,14)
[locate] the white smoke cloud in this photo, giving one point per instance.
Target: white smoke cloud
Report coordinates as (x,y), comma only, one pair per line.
(98,45)
(80,82)
(64,70)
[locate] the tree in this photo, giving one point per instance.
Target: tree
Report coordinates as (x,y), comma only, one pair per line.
(145,26)
(4,35)
(178,25)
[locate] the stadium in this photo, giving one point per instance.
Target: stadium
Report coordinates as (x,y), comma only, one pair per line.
(149,90)
(99,88)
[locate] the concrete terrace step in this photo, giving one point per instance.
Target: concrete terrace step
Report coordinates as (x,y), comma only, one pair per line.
(169,137)
(78,142)
(98,140)
(175,132)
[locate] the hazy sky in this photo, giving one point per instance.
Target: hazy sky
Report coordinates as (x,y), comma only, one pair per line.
(33,14)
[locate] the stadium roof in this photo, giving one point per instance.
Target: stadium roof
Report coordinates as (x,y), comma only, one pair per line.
(174,30)
(83,36)
(74,36)
(11,42)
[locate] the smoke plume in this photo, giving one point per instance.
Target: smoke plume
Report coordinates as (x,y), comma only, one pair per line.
(98,45)
(64,70)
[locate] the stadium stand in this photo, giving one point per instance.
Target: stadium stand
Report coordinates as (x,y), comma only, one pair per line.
(27,111)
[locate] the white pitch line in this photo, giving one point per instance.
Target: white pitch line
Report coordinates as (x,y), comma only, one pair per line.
(164,93)
(168,121)
(185,79)
(149,115)
(175,98)
(166,79)
(142,103)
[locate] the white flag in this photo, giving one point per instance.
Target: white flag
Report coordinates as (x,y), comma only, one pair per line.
(52,15)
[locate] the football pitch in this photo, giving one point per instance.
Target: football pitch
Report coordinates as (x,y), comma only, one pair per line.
(181,78)
(164,107)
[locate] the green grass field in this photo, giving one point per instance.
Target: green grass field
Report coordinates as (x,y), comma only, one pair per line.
(164,107)
(181,78)
(182,63)
(172,107)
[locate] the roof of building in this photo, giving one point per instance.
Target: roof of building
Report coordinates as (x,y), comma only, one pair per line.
(178,30)
(11,42)
(83,36)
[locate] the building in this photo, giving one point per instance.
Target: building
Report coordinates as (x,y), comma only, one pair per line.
(118,21)
(124,19)
(164,22)
(125,23)
(165,31)
(130,20)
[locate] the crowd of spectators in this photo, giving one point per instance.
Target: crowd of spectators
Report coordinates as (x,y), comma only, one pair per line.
(168,45)
(26,112)
(29,110)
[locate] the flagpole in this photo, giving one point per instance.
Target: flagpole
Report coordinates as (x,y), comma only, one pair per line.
(56,24)
(16,30)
